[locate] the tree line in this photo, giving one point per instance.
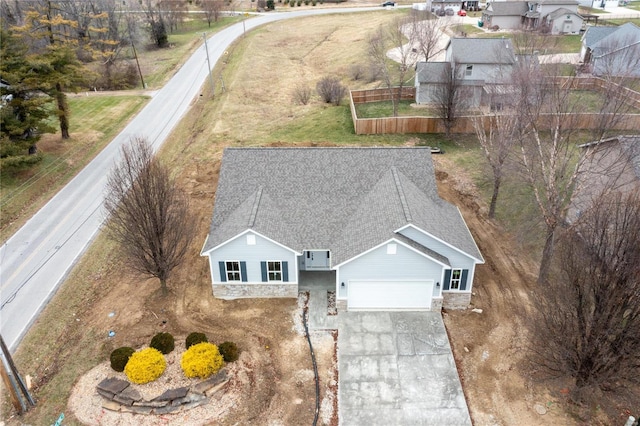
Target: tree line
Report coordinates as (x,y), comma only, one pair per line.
(49,48)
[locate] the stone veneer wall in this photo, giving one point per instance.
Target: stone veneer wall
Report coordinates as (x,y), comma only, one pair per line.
(436,304)
(243,291)
(119,396)
(456,300)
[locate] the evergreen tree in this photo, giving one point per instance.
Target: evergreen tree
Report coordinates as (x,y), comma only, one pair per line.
(24,111)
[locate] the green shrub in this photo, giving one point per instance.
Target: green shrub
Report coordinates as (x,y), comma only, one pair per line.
(195,338)
(163,342)
(119,358)
(229,351)
(145,366)
(201,360)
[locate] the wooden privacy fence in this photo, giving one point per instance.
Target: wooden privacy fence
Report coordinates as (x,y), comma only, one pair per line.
(464,124)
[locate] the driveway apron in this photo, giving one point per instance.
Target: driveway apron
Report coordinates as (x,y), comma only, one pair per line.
(396,368)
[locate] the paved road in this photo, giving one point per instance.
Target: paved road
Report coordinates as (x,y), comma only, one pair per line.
(35,260)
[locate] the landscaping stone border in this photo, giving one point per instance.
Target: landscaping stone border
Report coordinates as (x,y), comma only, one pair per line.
(120,397)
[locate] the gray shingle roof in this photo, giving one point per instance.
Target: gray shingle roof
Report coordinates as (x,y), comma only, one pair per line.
(347,200)
(506,8)
(560,12)
(482,50)
(594,34)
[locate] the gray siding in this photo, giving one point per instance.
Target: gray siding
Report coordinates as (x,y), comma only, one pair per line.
(406,264)
(264,250)
(457,259)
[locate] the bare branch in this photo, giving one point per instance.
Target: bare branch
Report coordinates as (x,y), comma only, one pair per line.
(149,215)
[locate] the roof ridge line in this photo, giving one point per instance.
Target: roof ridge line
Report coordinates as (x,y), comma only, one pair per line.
(403,198)
(254,209)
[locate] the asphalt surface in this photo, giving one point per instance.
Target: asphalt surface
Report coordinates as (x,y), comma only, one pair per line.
(38,257)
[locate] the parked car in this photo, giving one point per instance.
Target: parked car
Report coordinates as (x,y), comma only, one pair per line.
(462,12)
(449,12)
(389,3)
(440,12)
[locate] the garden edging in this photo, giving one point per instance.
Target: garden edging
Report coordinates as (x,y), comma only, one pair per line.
(119,396)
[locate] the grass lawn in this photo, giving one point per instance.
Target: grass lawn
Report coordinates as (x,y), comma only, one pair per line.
(635,5)
(95,120)
(158,65)
(471,30)
(620,21)
(385,109)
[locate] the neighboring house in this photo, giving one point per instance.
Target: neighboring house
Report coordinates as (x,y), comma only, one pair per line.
(371,216)
(504,14)
(560,16)
(564,21)
(479,63)
(443,5)
(611,165)
(612,51)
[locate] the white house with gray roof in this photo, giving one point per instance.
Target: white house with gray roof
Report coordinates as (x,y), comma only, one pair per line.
(371,216)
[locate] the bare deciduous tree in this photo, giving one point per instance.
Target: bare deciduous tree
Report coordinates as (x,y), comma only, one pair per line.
(212,10)
(552,119)
(496,134)
(157,23)
(426,33)
(149,215)
(585,323)
(394,72)
(449,96)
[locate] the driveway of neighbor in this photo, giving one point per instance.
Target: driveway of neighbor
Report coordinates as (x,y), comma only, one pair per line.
(397,368)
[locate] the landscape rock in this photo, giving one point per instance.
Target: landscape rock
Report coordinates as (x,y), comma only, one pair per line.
(172,394)
(477,310)
(113,385)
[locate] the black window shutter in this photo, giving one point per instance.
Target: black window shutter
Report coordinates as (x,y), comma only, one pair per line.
(285,271)
(463,280)
(223,272)
(447,279)
(243,271)
(263,267)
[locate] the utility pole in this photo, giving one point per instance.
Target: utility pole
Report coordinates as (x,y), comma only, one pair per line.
(135,55)
(20,396)
(206,48)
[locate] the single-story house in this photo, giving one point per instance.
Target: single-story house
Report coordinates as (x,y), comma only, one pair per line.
(612,51)
(610,165)
(371,216)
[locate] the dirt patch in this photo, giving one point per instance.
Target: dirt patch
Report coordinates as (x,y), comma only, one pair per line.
(489,347)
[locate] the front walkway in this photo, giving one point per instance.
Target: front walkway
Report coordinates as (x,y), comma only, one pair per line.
(318,283)
(397,368)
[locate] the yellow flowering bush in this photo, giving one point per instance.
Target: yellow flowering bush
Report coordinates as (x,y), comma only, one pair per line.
(145,366)
(201,360)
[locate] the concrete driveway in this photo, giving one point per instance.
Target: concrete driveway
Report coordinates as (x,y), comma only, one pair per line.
(396,368)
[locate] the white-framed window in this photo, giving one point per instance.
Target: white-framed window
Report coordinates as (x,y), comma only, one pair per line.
(233,270)
(456,278)
(274,271)
(468,70)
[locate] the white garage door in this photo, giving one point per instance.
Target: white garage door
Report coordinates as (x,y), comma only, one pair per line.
(389,295)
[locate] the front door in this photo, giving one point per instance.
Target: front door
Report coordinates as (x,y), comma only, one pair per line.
(315,260)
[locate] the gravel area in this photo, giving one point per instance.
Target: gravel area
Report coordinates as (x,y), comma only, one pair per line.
(86,404)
